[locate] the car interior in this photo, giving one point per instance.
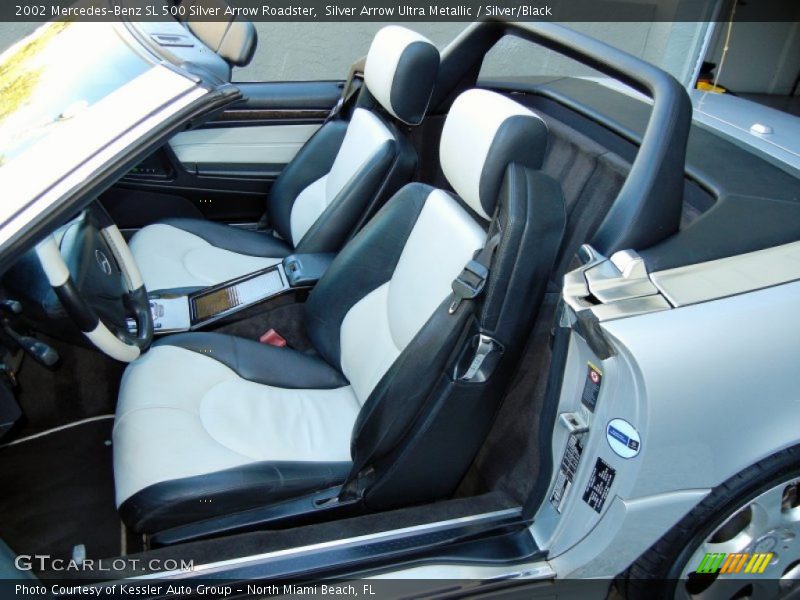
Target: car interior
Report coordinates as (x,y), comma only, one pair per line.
(330,310)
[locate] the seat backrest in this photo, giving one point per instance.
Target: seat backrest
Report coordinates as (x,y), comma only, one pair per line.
(349,168)
(381,311)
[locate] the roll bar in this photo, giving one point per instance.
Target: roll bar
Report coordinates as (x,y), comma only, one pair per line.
(648,207)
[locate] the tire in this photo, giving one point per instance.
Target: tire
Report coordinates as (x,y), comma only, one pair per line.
(657,572)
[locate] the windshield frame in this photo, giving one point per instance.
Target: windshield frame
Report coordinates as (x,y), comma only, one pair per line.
(37,202)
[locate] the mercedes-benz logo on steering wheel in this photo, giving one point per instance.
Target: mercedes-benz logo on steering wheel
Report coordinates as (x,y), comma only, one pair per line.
(103,262)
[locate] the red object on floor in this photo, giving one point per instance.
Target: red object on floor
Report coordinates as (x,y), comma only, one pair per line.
(273,338)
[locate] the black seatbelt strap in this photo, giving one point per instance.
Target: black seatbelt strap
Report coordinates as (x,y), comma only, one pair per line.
(470,283)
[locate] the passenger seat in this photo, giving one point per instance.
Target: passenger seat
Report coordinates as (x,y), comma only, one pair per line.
(347,169)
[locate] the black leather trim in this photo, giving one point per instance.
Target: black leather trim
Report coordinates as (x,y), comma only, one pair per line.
(181,291)
(365,264)
(314,160)
(413,82)
(332,227)
(180,501)
(520,139)
(81,313)
(235,239)
(533,220)
(367,190)
(261,363)
(399,174)
(291,95)
(138,302)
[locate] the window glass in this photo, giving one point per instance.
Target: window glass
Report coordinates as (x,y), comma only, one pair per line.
(61,69)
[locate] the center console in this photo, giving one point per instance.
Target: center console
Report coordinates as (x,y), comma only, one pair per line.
(189,312)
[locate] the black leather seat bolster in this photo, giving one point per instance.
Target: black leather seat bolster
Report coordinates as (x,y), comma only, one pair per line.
(533,220)
(180,501)
(241,241)
(331,229)
(366,262)
(261,363)
(314,160)
(374,187)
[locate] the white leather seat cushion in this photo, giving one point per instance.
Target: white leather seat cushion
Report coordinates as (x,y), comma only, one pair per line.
(182,414)
(170,258)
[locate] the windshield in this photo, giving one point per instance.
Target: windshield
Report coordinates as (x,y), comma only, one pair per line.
(56,73)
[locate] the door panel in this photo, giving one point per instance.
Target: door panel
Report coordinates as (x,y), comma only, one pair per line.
(297,95)
(223,170)
(262,144)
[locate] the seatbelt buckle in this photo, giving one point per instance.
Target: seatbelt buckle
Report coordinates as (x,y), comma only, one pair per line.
(273,338)
(479,359)
(469,284)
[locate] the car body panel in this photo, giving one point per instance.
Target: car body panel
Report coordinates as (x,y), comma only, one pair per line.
(708,399)
(743,120)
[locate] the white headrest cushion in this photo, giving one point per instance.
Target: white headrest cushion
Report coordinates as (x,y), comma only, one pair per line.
(484,132)
(401,71)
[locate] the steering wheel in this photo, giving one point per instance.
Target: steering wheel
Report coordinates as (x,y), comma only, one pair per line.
(97,281)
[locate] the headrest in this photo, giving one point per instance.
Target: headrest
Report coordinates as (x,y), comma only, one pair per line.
(484,132)
(400,72)
(234,40)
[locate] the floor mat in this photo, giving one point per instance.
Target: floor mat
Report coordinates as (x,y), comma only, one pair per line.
(58,491)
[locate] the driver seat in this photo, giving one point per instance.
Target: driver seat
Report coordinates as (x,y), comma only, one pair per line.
(344,173)
(389,406)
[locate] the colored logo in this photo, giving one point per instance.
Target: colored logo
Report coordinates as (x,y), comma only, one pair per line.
(623,438)
(724,563)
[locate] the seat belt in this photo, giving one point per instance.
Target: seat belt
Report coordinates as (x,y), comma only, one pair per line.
(472,279)
(469,285)
(355,80)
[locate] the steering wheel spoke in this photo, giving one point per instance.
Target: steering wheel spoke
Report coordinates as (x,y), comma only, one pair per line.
(122,345)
